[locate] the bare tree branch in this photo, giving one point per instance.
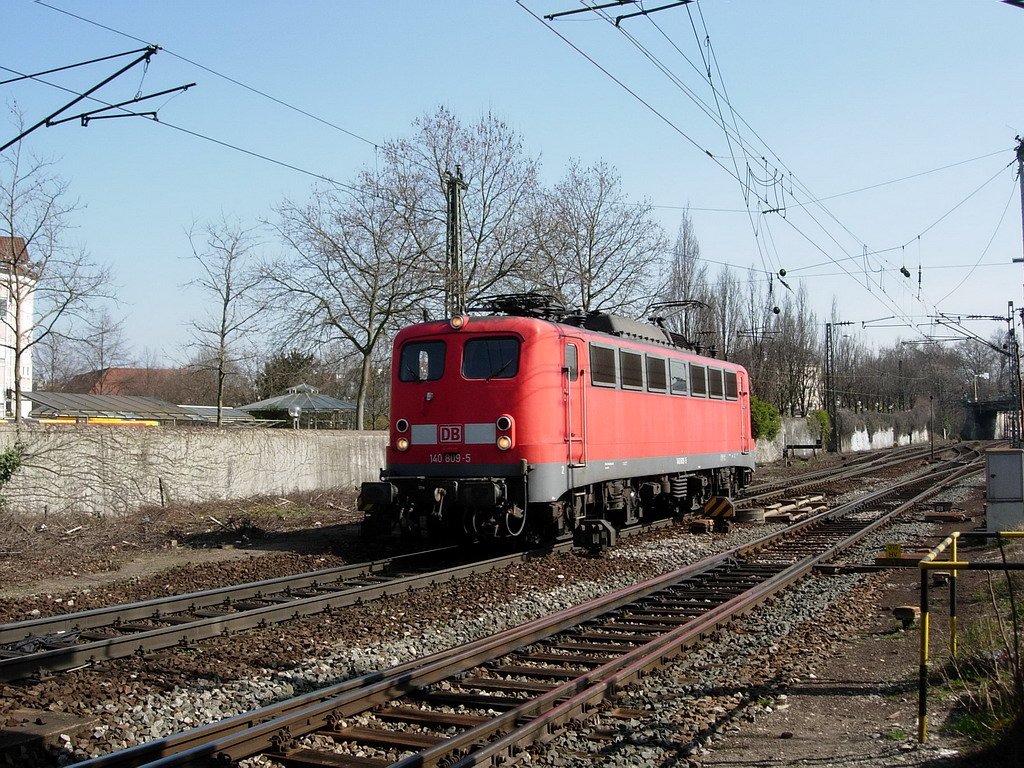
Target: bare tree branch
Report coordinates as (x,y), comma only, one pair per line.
(50,286)
(232,283)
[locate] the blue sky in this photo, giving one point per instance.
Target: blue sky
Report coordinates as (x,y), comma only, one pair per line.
(837,97)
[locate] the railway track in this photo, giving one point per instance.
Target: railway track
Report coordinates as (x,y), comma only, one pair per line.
(68,641)
(486,701)
(72,640)
(818,479)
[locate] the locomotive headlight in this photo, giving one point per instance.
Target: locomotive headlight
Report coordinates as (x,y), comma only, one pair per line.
(402,444)
(458,321)
(504,424)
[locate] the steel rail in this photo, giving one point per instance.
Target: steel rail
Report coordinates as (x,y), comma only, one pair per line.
(63,630)
(275,726)
(819,478)
(573,700)
(183,749)
(60,634)
(72,656)
(161,607)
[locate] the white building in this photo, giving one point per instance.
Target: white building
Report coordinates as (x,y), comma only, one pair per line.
(17,313)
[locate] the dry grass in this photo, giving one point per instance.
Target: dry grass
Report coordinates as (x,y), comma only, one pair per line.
(33,548)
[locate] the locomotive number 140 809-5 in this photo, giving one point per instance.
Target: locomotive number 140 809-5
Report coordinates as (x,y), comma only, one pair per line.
(450,458)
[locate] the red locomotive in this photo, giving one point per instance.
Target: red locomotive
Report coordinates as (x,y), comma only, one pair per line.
(537,424)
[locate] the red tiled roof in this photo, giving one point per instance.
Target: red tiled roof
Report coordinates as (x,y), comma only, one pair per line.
(13,250)
(121,381)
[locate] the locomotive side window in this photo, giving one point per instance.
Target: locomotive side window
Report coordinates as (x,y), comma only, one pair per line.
(731,390)
(602,366)
(572,368)
(680,379)
(490,358)
(698,380)
(422,361)
(655,374)
(631,366)
(715,386)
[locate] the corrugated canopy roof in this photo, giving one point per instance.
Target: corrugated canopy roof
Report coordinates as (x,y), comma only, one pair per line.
(209,413)
(305,397)
(52,404)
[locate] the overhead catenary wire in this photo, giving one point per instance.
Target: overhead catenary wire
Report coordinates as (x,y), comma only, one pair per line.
(290,166)
(626,88)
(675,80)
(745,187)
(214,72)
(999,224)
(815,200)
(909,177)
(145,54)
(955,207)
(766,233)
(796,204)
(243,150)
(196,134)
(819,200)
(883,294)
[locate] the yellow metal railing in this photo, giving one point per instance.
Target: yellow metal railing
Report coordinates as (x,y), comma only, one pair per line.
(953,565)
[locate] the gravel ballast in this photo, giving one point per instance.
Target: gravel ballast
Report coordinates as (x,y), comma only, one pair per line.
(690,709)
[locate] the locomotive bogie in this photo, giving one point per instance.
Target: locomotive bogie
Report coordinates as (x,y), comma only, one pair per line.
(506,427)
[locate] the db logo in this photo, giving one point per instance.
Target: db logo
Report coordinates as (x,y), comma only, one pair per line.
(451,433)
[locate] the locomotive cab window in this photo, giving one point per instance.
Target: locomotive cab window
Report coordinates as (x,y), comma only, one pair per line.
(422,361)
(656,379)
(716,388)
(490,358)
(731,389)
(698,380)
(680,382)
(602,366)
(631,367)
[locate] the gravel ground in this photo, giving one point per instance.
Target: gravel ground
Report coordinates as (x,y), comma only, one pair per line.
(135,556)
(135,702)
(821,675)
(316,652)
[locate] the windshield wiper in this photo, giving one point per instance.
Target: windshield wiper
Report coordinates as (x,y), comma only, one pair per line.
(502,369)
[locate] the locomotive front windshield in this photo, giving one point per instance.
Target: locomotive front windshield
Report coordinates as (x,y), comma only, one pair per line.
(422,361)
(490,358)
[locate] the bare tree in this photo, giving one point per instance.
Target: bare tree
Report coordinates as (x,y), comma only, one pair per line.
(797,342)
(55,361)
(758,339)
(230,279)
(726,313)
(103,343)
(501,187)
(48,286)
(352,273)
(596,249)
(686,281)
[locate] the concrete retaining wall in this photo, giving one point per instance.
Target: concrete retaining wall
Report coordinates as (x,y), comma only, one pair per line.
(105,470)
(883,438)
(797,431)
(109,470)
